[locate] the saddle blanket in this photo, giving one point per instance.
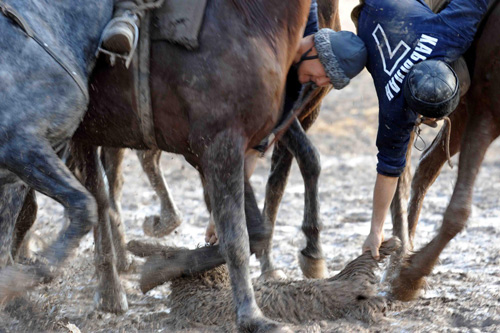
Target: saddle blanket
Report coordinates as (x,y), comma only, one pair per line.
(179,22)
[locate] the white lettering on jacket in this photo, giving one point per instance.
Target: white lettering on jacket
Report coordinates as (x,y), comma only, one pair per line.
(424,48)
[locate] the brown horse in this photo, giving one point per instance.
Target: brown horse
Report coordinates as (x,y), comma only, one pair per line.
(211,106)
(293,144)
(475,125)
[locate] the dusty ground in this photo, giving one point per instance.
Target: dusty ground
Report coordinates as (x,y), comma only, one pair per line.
(464,289)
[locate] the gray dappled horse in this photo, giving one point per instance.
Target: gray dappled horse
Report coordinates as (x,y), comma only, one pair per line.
(212,106)
(475,125)
(47,54)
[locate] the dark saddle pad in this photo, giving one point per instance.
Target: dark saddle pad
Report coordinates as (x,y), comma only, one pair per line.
(179,22)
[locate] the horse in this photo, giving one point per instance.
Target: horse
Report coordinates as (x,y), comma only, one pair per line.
(293,144)
(475,125)
(48,50)
(212,106)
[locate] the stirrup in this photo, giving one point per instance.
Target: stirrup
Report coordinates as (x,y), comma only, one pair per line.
(113,55)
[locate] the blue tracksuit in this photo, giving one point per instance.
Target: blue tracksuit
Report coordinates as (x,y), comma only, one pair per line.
(312,20)
(398,34)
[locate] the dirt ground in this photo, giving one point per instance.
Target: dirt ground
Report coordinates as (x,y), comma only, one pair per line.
(464,289)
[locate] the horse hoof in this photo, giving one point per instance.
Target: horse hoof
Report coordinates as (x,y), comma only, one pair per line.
(272,275)
(110,296)
(312,268)
(112,300)
(406,289)
(156,226)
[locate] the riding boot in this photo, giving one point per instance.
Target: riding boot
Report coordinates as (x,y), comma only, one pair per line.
(121,33)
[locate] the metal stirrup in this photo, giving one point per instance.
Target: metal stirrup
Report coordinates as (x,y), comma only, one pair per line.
(113,55)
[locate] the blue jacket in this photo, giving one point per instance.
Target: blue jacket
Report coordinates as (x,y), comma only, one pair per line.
(312,20)
(399,34)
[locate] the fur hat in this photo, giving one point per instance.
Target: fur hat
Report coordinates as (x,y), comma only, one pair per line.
(342,54)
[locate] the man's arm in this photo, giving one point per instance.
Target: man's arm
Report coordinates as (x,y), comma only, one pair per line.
(383,193)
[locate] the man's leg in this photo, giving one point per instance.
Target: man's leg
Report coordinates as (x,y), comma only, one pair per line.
(120,34)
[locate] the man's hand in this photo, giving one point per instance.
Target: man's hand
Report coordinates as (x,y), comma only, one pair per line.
(431,122)
(372,244)
(382,197)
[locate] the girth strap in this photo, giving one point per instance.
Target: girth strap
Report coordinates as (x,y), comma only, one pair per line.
(12,14)
(143,92)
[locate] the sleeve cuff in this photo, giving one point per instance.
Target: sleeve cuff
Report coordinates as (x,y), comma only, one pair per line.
(389,172)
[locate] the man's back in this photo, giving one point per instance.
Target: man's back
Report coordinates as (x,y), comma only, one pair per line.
(399,34)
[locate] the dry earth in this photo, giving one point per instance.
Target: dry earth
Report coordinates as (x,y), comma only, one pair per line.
(464,289)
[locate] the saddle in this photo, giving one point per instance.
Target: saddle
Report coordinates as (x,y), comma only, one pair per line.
(179,22)
(176,21)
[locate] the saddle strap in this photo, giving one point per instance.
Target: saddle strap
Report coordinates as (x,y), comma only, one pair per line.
(12,14)
(145,111)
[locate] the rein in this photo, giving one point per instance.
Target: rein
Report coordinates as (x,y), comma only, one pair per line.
(446,147)
(12,14)
(307,94)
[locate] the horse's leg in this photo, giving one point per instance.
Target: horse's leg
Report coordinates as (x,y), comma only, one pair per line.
(34,161)
(223,169)
(160,268)
(281,162)
(12,197)
(399,215)
(311,257)
(405,216)
(250,163)
(25,220)
(430,165)
(259,232)
(480,132)
(169,219)
(210,232)
(110,296)
(400,201)
(112,159)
